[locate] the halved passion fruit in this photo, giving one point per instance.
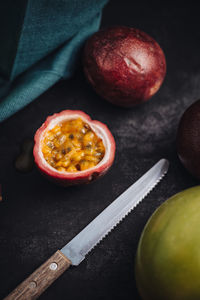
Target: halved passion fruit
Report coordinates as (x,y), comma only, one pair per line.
(70,148)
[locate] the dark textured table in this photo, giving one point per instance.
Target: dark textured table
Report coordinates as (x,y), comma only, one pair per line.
(37,217)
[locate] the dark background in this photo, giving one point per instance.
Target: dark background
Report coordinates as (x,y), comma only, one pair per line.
(37,217)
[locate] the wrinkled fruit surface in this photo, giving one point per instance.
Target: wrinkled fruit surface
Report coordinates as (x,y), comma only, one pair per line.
(124,65)
(168,255)
(188,139)
(70,148)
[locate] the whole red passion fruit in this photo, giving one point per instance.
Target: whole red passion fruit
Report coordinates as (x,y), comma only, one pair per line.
(124,65)
(188,139)
(70,148)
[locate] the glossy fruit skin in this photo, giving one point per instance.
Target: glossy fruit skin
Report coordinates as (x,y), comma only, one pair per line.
(124,65)
(188,139)
(81,177)
(168,255)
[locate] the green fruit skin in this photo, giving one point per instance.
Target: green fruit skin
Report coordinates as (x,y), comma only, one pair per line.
(168,256)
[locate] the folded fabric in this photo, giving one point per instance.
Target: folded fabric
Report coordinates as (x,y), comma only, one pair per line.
(45,47)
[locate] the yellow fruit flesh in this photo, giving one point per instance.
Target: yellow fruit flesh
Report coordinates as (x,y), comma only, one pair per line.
(72,146)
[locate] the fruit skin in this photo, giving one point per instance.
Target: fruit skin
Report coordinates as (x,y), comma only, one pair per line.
(188,139)
(124,65)
(168,255)
(65,178)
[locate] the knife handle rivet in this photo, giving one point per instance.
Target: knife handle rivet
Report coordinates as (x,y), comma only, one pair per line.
(32,285)
(53,266)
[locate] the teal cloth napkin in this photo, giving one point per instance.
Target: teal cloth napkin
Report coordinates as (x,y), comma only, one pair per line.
(42,41)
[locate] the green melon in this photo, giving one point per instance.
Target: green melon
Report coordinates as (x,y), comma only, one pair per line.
(168,255)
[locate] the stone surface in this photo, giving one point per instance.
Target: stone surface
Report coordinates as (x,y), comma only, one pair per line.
(37,217)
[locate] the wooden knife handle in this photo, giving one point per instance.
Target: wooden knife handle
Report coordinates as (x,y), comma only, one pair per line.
(32,287)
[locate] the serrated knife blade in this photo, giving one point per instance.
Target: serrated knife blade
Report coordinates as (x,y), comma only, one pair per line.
(76,250)
(94,232)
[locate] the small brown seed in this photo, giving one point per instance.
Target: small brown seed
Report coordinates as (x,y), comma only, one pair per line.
(86,126)
(50,145)
(78,167)
(89,145)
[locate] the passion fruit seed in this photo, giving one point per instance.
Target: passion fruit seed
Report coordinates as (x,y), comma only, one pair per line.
(24,161)
(72,146)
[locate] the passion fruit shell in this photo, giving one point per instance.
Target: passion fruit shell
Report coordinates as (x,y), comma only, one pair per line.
(65,178)
(188,139)
(124,65)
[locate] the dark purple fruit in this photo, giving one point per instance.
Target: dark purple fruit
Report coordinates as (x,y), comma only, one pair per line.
(188,139)
(124,65)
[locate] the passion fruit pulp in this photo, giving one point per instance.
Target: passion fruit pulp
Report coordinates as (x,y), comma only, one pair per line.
(70,148)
